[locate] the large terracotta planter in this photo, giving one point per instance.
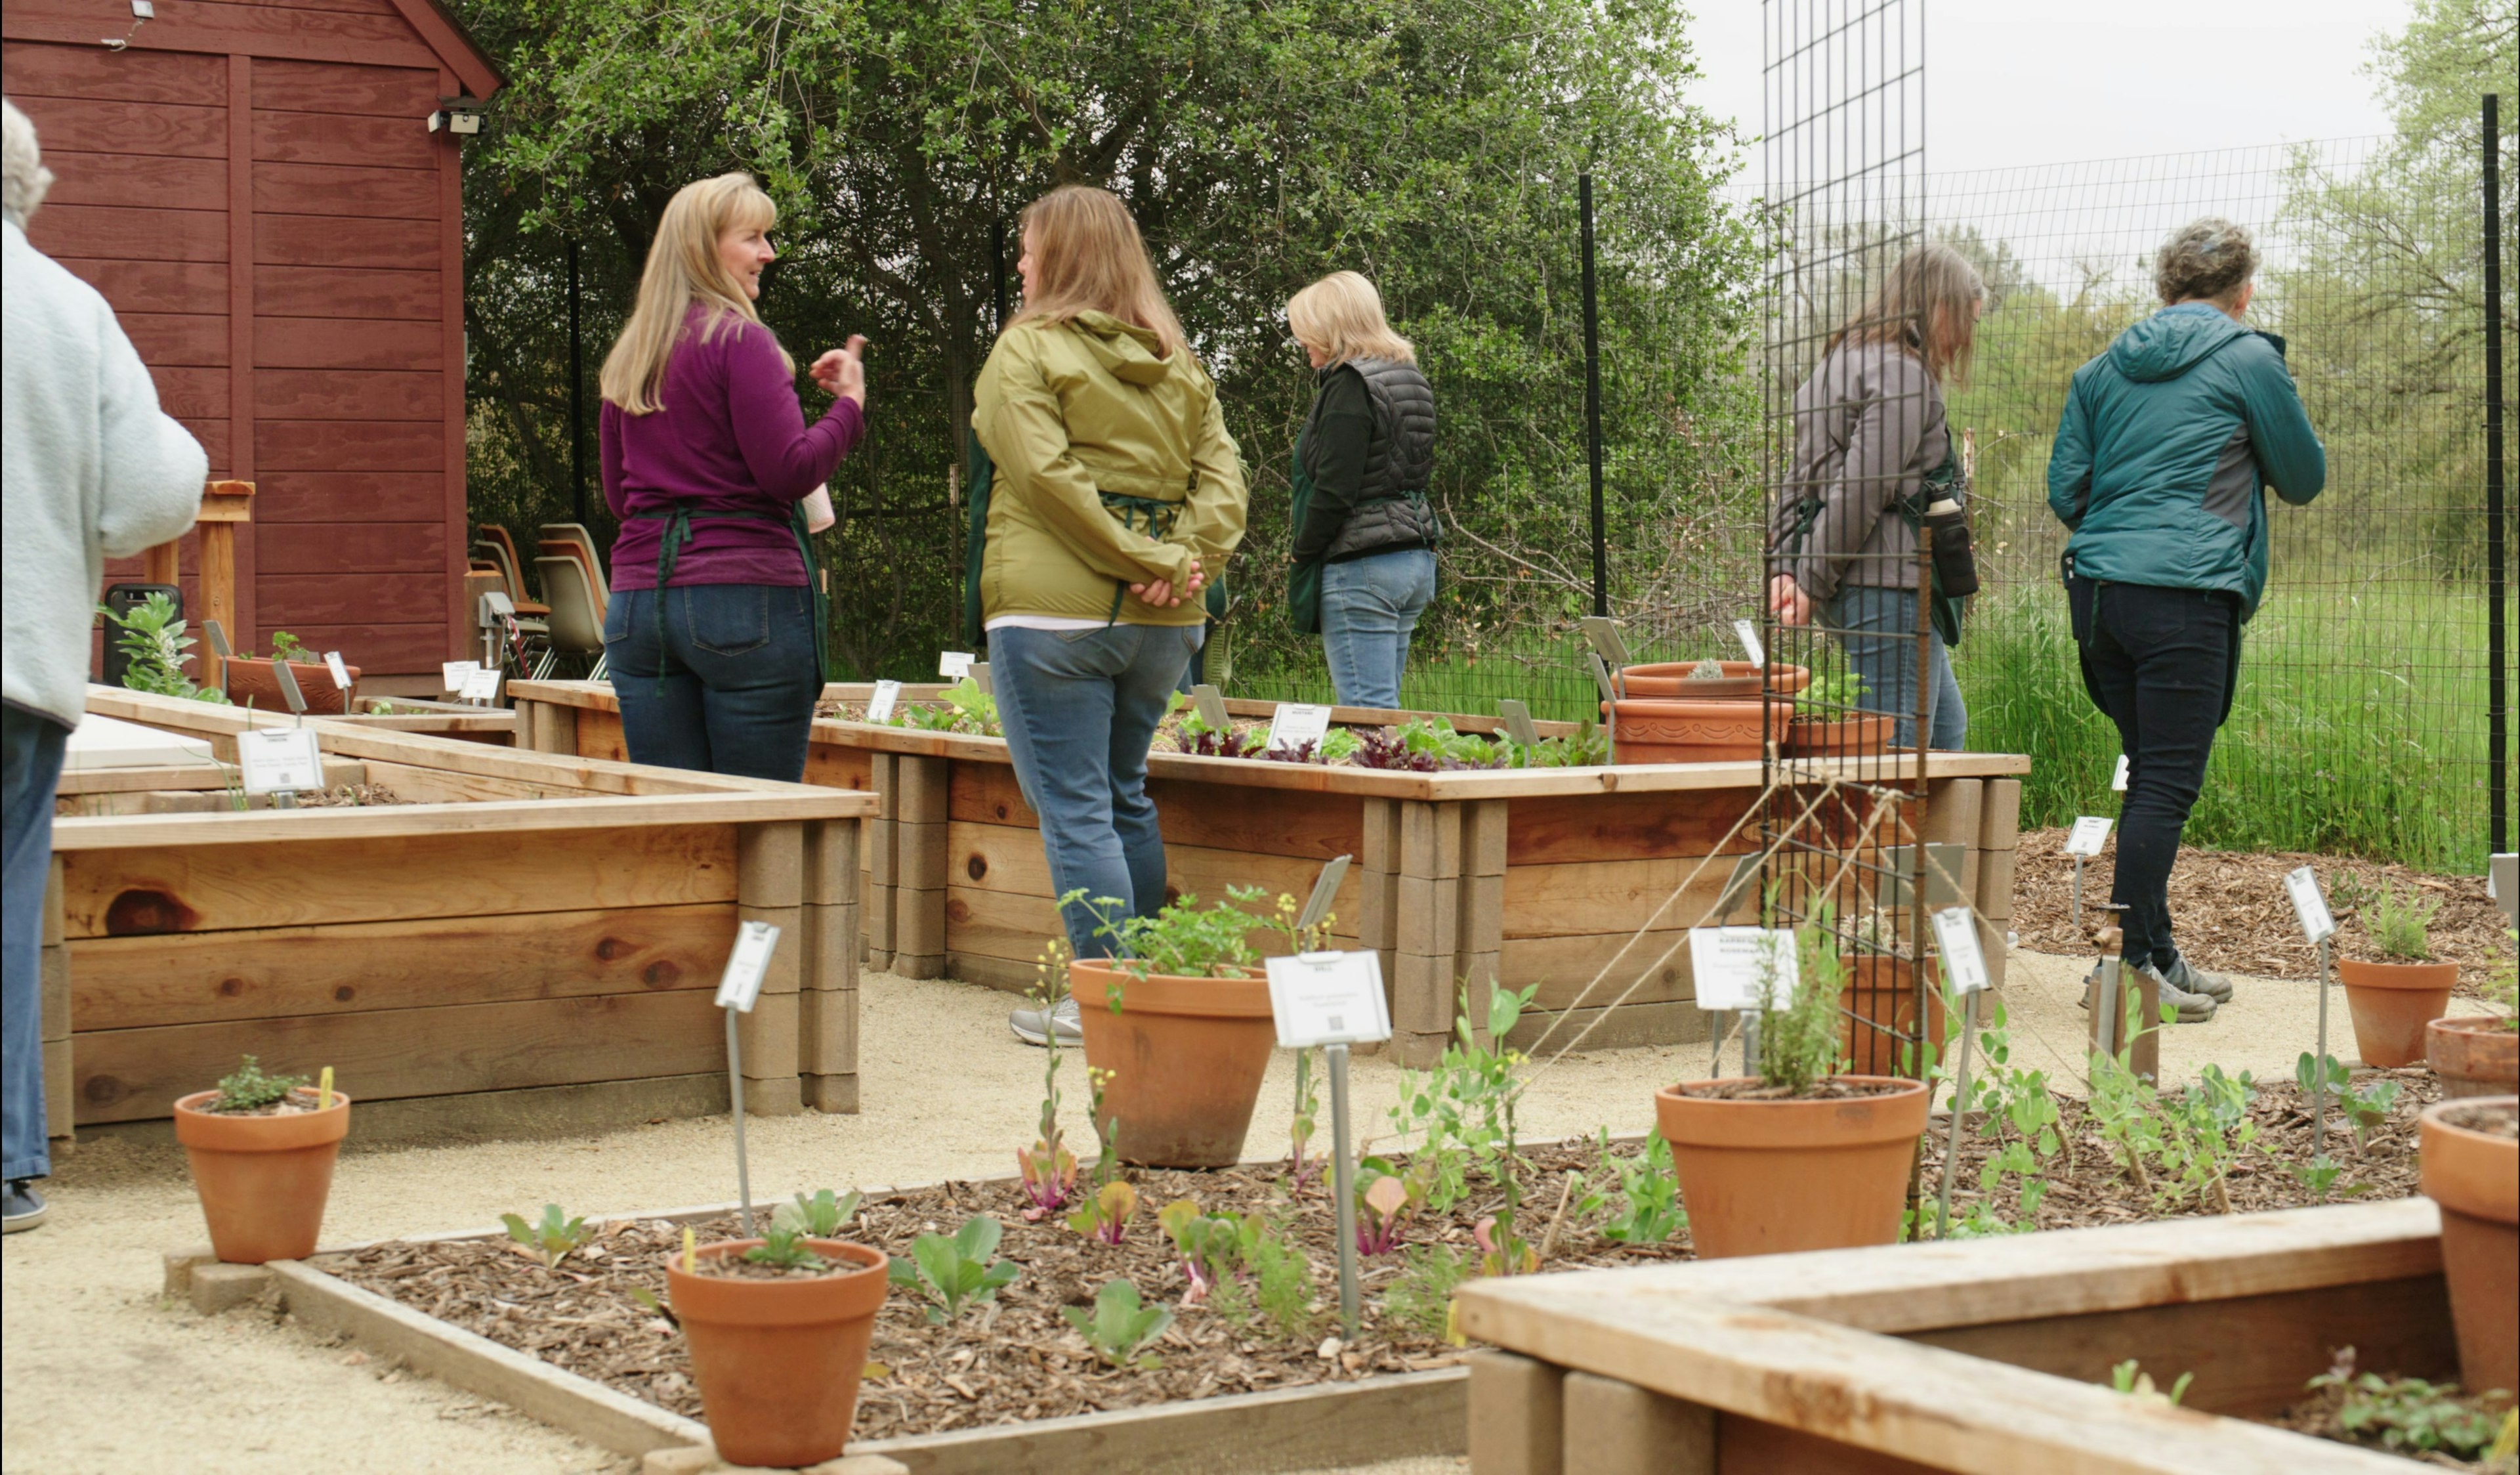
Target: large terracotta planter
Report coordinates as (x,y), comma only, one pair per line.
(1185,1057)
(2391,1003)
(1881,991)
(1863,736)
(262,1179)
(779,1361)
(2474,1055)
(251,681)
(1656,730)
(2474,1175)
(1740,680)
(1770,1177)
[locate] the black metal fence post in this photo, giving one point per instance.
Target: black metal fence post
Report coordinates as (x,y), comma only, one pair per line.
(1592,405)
(2497,716)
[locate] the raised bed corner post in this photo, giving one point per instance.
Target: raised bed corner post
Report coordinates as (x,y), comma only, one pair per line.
(770,888)
(920,860)
(827,968)
(1443,902)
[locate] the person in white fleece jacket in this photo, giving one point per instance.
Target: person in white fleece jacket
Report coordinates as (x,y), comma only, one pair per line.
(90,468)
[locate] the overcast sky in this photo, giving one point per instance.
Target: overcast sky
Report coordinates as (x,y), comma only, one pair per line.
(2039,81)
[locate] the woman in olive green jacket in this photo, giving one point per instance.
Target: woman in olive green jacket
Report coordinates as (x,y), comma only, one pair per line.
(1115,492)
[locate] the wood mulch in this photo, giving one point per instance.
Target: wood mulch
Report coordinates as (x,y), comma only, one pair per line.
(2230,913)
(1019,1359)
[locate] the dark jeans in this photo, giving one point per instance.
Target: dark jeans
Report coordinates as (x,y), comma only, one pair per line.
(2162,664)
(1080,709)
(30,753)
(1877,631)
(717,677)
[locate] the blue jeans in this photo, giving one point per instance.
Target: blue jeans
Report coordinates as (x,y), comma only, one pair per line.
(717,677)
(32,754)
(1369,606)
(1880,645)
(1079,709)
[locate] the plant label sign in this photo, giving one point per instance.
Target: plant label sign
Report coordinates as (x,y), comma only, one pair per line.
(1732,965)
(340,672)
(1964,961)
(1328,998)
(954,666)
(1601,676)
(2118,778)
(451,674)
(887,696)
(481,684)
(289,691)
(2090,833)
(2309,905)
(1298,723)
(1602,633)
(280,760)
(217,635)
(741,987)
(1748,632)
(1517,721)
(1209,704)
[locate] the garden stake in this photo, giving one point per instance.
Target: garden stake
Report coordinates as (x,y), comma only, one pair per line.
(2108,1005)
(2319,1094)
(735,1090)
(1749,1042)
(1951,1153)
(737,993)
(2078,895)
(1343,1186)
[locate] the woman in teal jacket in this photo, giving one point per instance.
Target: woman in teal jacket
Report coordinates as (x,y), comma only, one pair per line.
(2166,443)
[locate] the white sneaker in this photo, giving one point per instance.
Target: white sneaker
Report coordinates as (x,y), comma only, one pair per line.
(1036,1026)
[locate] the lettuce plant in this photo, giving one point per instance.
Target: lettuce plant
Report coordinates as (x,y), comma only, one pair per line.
(1120,1325)
(954,1273)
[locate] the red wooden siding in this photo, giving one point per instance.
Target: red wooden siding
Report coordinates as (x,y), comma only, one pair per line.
(254,189)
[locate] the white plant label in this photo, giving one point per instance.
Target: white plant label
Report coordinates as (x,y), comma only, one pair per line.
(1517,722)
(1298,723)
(741,987)
(2118,779)
(481,684)
(2310,904)
(1964,961)
(887,696)
(1730,964)
(1748,632)
(451,674)
(1328,998)
(954,666)
(340,672)
(2090,833)
(217,635)
(280,760)
(1209,704)
(1603,634)
(289,691)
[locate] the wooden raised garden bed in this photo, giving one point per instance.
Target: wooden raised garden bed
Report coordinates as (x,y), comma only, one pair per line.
(1985,1356)
(1529,876)
(475,938)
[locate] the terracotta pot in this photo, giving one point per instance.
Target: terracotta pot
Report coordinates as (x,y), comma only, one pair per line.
(1770,1177)
(1670,678)
(253,682)
(1865,736)
(779,1361)
(2391,1003)
(262,1179)
(1882,991)
(1656,730)
(2474,1055)
(1185,1054)
(2474,1176)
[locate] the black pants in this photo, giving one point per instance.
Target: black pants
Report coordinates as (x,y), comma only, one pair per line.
(2161,664)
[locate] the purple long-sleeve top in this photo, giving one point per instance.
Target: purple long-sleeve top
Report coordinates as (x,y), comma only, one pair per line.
(729,436)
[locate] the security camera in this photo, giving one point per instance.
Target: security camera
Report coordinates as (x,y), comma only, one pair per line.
(458,116)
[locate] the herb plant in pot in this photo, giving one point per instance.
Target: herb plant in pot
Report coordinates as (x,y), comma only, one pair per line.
(2393,999)
(1798,1157)
(779,1329)
(1180,1022)
(262,1149)
(1827,724)
(252,682)
(2479,1055)
(2471,1168)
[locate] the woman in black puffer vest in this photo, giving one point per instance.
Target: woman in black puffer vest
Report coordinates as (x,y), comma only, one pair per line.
(1365,534)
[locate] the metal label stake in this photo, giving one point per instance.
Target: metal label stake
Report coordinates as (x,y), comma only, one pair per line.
(1343,1185)
(2318,924)
(1332,999)
(736,992)
(1964,975)
(2090,833)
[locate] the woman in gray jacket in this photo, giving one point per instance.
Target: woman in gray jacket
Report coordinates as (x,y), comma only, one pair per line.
(1872,451)
(89,468)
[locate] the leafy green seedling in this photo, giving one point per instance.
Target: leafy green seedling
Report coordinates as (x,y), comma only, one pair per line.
(154,648)
(250,1088)
(785,1246)
(2400,923)
(288,647)
(2129,1378)
(1421,1298)
(1104,1213)
(1641,1194)
(1210,1246)
(956,1271)
(550,1238)
(821,1217)
(2408,1414)
(1120,1325)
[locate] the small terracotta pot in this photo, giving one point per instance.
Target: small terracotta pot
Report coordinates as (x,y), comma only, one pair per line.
(262,1179)
(779,1361)
(1670,678)
(1656,730)
(252,680)
(2474,1055)
(1881,991)
(1772,1178)
(1185,1054)
(2475,1178)
(1865,736)
(2391,1003)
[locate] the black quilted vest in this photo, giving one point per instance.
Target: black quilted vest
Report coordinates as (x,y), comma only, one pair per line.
(1391,508)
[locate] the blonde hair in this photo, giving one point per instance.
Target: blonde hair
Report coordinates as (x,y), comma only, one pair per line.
(1922,306)
(683,268)
(1087,256)
(1340,317)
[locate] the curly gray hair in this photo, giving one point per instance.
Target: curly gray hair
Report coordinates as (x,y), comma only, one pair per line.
(2211,259)
(26,178)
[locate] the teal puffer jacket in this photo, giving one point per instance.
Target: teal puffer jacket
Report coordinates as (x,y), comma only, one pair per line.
(2166,442)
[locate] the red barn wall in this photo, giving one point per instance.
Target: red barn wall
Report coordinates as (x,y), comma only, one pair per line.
(281,236)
